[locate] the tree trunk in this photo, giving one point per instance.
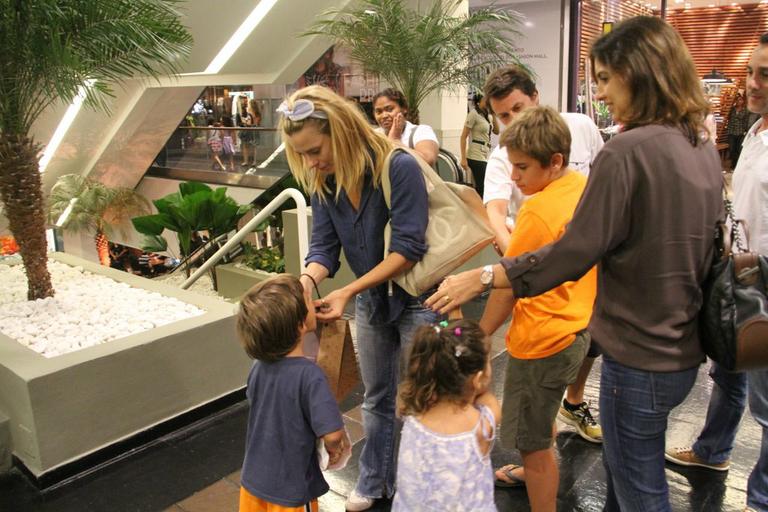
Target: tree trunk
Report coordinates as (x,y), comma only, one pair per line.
(21,193)
(102,248)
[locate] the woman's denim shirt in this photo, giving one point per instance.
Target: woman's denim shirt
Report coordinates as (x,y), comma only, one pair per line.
(336,224)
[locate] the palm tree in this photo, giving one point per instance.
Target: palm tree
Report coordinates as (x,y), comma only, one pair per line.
(51,51)
(92,206)
(421,52)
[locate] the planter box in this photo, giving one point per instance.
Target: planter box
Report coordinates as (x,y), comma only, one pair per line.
(234,281)
(63,408)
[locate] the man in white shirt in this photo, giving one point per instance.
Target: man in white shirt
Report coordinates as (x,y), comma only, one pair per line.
(509,91)
(713,447)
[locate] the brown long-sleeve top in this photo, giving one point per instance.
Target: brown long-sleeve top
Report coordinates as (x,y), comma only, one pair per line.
(647,218)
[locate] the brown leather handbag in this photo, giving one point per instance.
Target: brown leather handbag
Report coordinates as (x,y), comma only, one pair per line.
(733,322)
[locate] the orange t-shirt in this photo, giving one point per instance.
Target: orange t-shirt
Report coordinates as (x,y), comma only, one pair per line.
(548,323)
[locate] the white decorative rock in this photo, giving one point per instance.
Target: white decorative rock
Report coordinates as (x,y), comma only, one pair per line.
(87,310)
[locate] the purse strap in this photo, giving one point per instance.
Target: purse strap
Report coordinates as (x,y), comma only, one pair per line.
(314,284)
(735,232)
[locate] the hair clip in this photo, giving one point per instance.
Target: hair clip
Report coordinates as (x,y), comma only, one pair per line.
(301,110)
(460,349)
(443,324)
(436,328)
(457,331)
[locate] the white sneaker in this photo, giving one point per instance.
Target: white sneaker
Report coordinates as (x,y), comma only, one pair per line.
(357,503)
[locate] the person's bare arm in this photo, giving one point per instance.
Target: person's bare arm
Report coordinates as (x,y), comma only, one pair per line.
(428,150)
(497,216)
(463,147)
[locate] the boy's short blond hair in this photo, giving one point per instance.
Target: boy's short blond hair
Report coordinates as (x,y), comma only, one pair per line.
(539,132)
(270,317)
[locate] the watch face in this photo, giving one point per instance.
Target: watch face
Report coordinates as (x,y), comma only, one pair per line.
(486,276)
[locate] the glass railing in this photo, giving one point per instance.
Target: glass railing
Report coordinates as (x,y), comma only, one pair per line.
(220,149)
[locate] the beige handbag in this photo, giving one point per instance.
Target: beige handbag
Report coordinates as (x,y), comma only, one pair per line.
(458,228)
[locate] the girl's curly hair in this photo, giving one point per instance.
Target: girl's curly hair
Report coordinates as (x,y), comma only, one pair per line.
(443,359)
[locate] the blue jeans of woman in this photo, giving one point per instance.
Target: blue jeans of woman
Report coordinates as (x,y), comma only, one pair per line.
(634,407)
(380,350)
(757,486)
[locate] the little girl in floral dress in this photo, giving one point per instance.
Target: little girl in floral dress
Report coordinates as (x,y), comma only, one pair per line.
(450,422)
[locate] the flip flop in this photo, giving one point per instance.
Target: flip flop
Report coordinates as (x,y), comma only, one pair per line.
(515,481)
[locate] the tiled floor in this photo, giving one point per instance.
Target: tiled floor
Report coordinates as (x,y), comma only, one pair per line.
(197,469)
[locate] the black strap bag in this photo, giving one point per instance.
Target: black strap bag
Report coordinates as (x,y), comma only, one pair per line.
(733,323)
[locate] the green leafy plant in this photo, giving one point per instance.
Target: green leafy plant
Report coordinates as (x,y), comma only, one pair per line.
(422,51)
(268,259)
(92,206)
(601,109)
(195,207)
(53,51)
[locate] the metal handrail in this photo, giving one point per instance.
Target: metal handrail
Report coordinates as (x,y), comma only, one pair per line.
(301,207)
(459,175)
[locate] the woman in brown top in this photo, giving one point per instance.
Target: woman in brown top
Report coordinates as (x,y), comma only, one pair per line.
(647,218)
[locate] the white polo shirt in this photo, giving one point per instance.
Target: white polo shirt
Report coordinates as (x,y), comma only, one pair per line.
(750,187)
(586,142)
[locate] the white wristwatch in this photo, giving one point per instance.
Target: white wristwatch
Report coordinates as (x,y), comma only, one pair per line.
(486,277)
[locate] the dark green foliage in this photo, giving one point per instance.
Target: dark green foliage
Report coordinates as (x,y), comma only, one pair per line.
(268,259)
(195,207)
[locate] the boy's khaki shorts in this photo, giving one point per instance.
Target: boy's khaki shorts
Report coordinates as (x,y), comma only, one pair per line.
(533,390)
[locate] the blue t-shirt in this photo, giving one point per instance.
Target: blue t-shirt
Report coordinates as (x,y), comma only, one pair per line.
(291,406)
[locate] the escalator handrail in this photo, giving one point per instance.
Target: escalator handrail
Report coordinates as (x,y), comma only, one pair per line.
(459,175)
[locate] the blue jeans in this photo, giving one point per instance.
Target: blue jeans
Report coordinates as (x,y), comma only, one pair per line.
(380,350)
(757,487)
(634,407)
(726,407)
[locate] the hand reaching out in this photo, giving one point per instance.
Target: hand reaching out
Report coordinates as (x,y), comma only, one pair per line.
(332,306)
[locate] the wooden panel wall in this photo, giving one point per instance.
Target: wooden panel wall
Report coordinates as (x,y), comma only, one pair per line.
(594,13)
(722,38)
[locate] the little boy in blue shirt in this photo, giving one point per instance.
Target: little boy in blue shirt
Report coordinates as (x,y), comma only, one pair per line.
(291,404)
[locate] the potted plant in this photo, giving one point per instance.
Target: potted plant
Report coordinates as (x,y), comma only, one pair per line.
(423,51)
(79,203)
(53,52)
(195,208)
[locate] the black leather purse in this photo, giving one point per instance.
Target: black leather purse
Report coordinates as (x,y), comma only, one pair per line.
(733,322)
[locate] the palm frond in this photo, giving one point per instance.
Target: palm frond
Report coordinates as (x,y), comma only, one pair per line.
(51,48)
(423,51)
(96,207)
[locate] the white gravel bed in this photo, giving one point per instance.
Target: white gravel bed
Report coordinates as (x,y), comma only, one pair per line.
(203,286)
(88,309)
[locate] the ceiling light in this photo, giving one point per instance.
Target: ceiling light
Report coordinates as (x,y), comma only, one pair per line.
(715,77)
(64,124)
(240,35)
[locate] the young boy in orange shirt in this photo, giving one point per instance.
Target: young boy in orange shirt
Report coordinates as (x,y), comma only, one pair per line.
(547,340)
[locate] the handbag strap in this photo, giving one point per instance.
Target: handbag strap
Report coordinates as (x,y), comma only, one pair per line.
(735,232)
(314,284)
